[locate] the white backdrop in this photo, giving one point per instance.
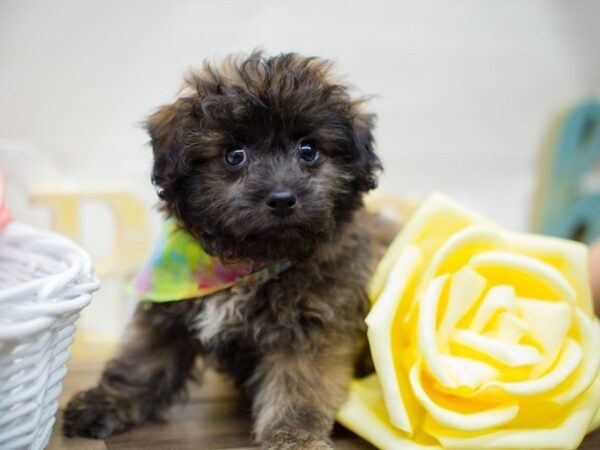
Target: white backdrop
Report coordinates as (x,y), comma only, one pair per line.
(465,90)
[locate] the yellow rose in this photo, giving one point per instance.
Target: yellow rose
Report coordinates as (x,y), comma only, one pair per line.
(481,338)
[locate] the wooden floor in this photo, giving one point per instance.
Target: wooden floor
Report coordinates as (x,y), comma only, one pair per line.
(214,417)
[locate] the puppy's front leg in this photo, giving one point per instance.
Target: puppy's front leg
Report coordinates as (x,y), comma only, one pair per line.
(298,395)
(140,383)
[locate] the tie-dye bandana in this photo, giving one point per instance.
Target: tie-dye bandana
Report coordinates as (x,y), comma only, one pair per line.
(180,269)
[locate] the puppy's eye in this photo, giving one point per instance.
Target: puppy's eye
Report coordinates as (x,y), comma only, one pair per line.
(308,152)
(235,157)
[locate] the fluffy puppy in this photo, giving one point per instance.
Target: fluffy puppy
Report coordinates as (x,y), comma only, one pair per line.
(260,159)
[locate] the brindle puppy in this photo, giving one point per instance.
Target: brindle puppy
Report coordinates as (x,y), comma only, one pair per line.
(260,159)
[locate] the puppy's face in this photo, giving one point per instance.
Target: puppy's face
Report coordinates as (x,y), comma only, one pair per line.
(263,158)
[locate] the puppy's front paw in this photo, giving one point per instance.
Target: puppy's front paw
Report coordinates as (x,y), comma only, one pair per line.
(284,440)
(93,414)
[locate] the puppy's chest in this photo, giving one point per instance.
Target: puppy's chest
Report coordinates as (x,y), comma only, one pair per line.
(225,314)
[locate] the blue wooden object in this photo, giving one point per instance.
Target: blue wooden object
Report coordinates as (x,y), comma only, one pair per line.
(569,205)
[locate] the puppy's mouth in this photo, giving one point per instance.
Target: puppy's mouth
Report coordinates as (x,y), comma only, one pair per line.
(282,241)
(288,230)
(266,238)
(285,228)
(282,234)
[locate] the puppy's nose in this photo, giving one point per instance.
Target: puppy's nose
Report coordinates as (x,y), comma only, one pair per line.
(282,202)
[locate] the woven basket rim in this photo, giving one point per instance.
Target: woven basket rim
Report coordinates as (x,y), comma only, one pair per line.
(31,306)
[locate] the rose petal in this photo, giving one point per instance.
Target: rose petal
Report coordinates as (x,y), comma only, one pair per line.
(569,257)
(468,372)
(538,314)
(512,355)
(595,423)
(426,331)
(566,435)
(507,328)
(545,273)
(567,362)
(384,268)
(465,289)
(497,298)
(493,417)
(380,321)
(455,253)
(586,373)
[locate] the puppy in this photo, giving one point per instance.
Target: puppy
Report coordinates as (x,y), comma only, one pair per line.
(260,159)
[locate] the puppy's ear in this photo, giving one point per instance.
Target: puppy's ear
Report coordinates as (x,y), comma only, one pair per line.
(165,130)
(368,164)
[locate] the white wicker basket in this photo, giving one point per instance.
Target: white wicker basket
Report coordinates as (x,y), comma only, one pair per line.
(45,281)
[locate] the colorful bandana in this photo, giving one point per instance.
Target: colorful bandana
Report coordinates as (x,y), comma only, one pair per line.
(180,269)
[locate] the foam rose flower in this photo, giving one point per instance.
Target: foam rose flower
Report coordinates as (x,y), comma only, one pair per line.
(481,338)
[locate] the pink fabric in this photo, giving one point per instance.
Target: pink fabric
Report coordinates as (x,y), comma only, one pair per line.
(5,216)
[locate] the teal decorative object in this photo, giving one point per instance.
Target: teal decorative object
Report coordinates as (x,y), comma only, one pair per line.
(568,203)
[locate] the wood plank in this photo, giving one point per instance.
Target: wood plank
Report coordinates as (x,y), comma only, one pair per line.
(591,442)
(206,425)
(352,444)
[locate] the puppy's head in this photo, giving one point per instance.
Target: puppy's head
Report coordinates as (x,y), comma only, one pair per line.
(261,157)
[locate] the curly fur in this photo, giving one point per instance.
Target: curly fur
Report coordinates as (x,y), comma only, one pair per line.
(292,343)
